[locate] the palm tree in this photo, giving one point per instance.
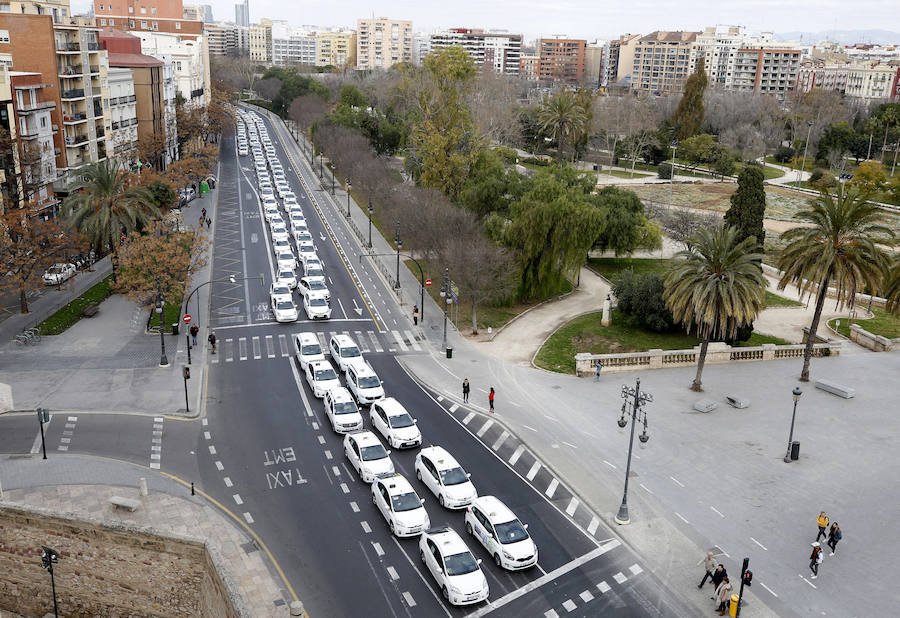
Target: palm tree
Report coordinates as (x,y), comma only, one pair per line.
(103,207)
(839,247)
(892,287)
(561,116)
(715,287)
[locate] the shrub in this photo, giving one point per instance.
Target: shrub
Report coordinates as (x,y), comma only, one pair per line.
(507,154)
(825,181)
(536,161)
(665,170)
(784,154)
(816,175)
(640,299)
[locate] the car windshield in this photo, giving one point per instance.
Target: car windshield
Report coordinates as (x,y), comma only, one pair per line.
(350,351)
(307,249)
(405,502)
(55,270)
(400,421)
(286,275)
(453,476)
(317,301)
(279,230)
(278,291)
(287,257)
(315,272)
(309,350)
(511,532)
(371,453)
(317,285)
(345,407)
(325,374)
(369,382)
(285,304)
(460,564)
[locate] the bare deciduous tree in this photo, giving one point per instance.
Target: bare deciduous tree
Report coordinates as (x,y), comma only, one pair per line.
(494,106)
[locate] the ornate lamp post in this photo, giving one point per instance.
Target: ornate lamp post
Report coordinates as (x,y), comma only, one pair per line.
(348,197)
(163,361)
(371,211)
(399,244)
(796,394)
(638,414)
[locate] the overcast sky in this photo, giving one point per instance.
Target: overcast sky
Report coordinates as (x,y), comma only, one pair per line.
(588,19)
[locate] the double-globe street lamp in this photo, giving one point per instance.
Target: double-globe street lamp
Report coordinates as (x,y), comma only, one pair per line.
(49,557)
(371,212)
(163,361)
(805,148)
(399,243)
(447,295)
(796,394)
(638,414)
(348,197)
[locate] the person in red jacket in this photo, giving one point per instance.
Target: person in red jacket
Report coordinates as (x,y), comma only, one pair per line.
(491,399)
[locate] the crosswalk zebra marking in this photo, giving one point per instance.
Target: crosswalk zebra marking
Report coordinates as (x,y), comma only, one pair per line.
(242,348)
(282,343)
(322,342)
(257,353)
(412,341)
(229,350)
(361,342)
(376,345)
(270,347)
(399,339)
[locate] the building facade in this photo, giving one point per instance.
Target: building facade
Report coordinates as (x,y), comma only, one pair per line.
(242,14)
(663,61)
(259,38)
(26,114)
(529,66)
(596,57)
(766,69)
(148,16)
(123,116)
(337,49)
(822,76)
(191,69)
(620,60)
(292,45)
(562,60)
(873,81)
(717,46)
(381,43)
(498,50)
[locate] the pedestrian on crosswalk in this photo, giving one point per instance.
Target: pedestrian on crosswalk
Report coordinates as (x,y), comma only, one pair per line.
(491,399)
(465,390)
(415,315)
(212,340)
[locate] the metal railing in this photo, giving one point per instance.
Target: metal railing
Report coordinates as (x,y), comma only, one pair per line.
(73,94)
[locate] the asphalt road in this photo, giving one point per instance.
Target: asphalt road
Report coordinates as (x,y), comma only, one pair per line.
(265,451)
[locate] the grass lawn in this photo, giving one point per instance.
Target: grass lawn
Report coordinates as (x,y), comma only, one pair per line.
(774,300)
(884,324)
(621,174)
(71,313)
(171,314)
(759,339)
(610,267)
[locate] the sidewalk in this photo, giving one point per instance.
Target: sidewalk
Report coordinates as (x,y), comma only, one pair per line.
(79,486)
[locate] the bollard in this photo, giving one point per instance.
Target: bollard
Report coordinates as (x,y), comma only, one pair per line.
(296,608)
(1,491)
(192,488)
(143,486)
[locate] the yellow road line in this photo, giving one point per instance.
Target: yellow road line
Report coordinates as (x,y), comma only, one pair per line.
(245,527)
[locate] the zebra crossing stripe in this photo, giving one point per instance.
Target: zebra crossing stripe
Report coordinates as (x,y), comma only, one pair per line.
(399,340)
(257,353)
(360,340)
(376,345)
(412,341)
(322,342)
(282,343)
(229,350)
(242,348)
(270,347)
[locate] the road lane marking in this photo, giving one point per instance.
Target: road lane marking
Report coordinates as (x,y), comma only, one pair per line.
(207,435)
(393,573)
(516,454)
(354,507)
(534,470)
(399,340)
(717,512)
(586,596)
(551,488)
(219,466)
(613,466)
(592,527)
(257,354)
(487,425)
(570,445)
(681,517)
(644,487)
(807,581)
(454,408)
(619,577)
(551,613)
(573,506)
(378,549)
(676,481)
(569,605)
(365,526)
(228,482)
(635,569)
(440,397)
(499,441)
(772,592)
(328,454)
(335,470)
(270,347)
(212,449)
(242,348)
(468,418)
(531,428)
(237,498)
(204,422)
(344,488)
(409,600)
(603,587)
(412,341)
(758,543)
(248,518)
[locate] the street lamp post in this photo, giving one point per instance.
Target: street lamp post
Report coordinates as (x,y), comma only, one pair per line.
(331,168)
(320,165)
(49,557)
(163,361)
(843,179)
(399,244)
(348,197)
(638,414)
(672,171)
(371,211)
(445,294)
(805,148)
(796,393)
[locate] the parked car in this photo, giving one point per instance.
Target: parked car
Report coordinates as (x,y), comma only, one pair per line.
(58,273)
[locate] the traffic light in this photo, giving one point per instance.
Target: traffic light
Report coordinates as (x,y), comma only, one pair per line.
(186,371)
(748,577)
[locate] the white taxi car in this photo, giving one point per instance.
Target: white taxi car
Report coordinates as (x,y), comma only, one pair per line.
(279,232)
(58,273)
(284,310)
(308,285)
(309,349)
(316,306)
(393,422)
(454,568)
(341,410)
(269,210)
(286,261)
(306,250)
(287,277)
(282,245)
(344,351)
(321,377)
(446,479)
(502,534)
(400,505)
(279,291)
(367,455)
(363,382)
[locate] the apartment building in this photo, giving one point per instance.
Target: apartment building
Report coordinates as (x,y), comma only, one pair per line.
(191,68)
(11,194)
(814,75)
(620,61)
(293,45)
(662,61)
(498,50)
(381,43)
(717,46)
(65,53)
(259,40)
(766,68)
(421,47)
(529,66)
(596,56)
(873,81)
(148,16)
(123,116)
(242,13)
(35,131)
(561,60)
(337,49)
(226,39)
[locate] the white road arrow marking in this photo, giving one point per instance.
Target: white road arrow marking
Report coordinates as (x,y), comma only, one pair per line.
(321,236)
(357,308)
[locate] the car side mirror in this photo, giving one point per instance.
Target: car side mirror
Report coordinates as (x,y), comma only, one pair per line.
(479,561)
(415,420)
(422,501)
(525,526)
(388,452)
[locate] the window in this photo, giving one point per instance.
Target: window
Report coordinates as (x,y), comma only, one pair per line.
(144,25)
(101,7)
(131,9)
(112,22)
(143,10)
(153,10)
(43,121)
(178,25)
(102,22)
(4,36)
(154,26)
(131,23)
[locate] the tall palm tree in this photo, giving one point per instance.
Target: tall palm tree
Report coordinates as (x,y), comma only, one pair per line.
(892,287)
(838,248)
(715,287)
(103,207)
(561,117)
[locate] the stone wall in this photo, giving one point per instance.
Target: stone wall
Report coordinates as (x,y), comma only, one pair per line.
(105,569)
(870,340)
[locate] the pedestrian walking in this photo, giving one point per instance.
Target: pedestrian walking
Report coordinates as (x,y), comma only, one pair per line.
(815,559)
(822,522)
(415,315)
(723,595)
(709,567)
(597,375)
(202,221)
(212,340)
(834,535)
(718,576)
(204,212)
(208,223)
(465,390)
(195,330)
(491,399)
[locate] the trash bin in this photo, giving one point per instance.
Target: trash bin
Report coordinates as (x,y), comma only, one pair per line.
(733,606)
(175,328)
(795,450)
(449,352)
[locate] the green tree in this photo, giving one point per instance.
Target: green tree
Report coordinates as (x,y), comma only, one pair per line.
(837,248)
(723,162)
(640,299)
(352,96)
(688,117)
(869,177)
(625,226)
(163,194)
(891,290)
(698,149)
(715,288)
(835,139)
(489,185)
(562,118)
(748,206)
(103,207)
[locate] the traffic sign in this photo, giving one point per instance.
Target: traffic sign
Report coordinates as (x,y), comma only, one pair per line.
(428,282)
(187,318)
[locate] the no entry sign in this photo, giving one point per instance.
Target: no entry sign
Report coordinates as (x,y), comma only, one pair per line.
(428,282)
(187,318)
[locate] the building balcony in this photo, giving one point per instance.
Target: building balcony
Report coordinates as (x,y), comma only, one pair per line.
(37,106)
(68,47)
(75,118)
(73,94)
(68,72)
(115,125)
(101,133)
(77,141)
(95,69)
(92,46)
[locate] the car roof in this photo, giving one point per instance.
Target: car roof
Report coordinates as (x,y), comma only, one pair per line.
(321,364)
(343,340)
(391,406)
(307,337)
(365,437)
(496,511)
(362,369)
(447,540)
(340,394)
(395,483)
(439,456)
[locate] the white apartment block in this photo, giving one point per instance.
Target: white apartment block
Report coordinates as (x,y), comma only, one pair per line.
(381,43)
(663,61)
(596,59)
(169,91)
(498,50)
(192,79)
(822,76)
(873,81)
(224,39)
(717,46)
(292,45)
(123,112)
(421,47)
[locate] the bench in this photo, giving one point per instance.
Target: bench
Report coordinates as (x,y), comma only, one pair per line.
(705,405)
(836,389)
(737,402)
(125,503)
(91,310)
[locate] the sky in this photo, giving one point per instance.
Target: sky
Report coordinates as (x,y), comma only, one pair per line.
(589,19)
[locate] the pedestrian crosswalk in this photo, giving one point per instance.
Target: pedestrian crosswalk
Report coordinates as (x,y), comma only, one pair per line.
(283,345)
